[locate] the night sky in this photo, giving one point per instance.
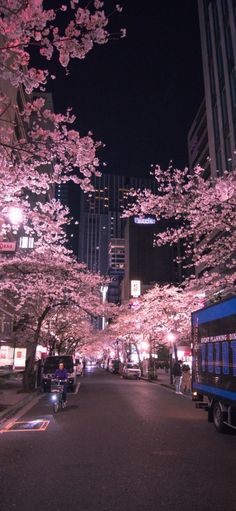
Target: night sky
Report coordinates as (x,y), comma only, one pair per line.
(139,95)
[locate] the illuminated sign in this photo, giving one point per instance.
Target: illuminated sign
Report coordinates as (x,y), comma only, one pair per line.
(135,288)
(7,246)
(141,220)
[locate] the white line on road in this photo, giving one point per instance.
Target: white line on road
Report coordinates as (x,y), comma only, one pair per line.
(77,388)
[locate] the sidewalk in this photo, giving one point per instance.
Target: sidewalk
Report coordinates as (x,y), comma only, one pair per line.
(163,379)
(12,397)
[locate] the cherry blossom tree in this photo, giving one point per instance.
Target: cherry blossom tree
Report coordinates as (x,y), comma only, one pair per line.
(201,215)
(161,311)
(67,329)
(39,149)
(70,31)
(39,285)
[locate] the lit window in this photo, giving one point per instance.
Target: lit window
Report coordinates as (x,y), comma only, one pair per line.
(26,242)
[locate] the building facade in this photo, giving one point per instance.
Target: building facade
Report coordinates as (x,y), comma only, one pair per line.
(101,222)
(198,143)
(146,263)
(218,40)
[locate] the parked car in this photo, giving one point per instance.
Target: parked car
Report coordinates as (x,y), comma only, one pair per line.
(51,364)
(113,366)
(79,366)
(131,370)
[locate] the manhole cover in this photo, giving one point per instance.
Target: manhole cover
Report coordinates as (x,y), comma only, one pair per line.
(36,425)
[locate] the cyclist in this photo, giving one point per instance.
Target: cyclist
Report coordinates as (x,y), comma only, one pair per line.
(61,374)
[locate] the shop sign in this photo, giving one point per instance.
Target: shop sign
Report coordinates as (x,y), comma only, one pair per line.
(135,288)
(7,246)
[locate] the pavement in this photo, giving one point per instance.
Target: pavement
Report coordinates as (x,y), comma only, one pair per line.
(12,397)
(163,379)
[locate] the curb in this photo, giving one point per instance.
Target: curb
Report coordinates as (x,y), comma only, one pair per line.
(158,382)
(165,385)
(9,412)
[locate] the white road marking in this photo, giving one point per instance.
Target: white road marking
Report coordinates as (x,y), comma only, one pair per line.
(19,414)
(77,388)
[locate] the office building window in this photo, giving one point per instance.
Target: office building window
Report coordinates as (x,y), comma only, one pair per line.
(224,110)
(228,153)
(216,125)
(224,5)
(216,20)
(26,242)
(212,81)
(233,88)
(229,47)
(220,64)
(219,162)
(208,39)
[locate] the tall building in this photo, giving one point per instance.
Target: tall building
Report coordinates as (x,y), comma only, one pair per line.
(218,40)
(145,262)
(116,256)
(198,143)
(100,222)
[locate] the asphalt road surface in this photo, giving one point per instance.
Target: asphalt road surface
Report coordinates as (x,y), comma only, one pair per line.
(119,446)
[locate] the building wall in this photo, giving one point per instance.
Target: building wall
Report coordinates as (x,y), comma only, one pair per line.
(100,217)
(198,143)
(218,40)
(144,261)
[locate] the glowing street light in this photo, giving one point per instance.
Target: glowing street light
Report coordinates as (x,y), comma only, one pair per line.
(15,215)
(171,337)
(144,345)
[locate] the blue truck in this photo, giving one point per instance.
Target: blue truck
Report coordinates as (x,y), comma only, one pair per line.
(214,362)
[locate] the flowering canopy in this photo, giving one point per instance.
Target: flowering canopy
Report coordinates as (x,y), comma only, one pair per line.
(70,31)
(39,148)
(162,309)
(202,217)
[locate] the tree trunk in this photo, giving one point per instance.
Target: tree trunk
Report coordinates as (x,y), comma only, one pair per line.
(151,368)
(29,376)
(29,373)
(139,359)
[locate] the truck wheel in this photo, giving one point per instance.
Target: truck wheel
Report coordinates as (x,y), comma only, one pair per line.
(218,418)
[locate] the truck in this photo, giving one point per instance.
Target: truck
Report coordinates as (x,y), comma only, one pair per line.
(214,362)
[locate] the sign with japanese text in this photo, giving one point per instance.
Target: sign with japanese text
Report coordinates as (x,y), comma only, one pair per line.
(7,246)
(135,288)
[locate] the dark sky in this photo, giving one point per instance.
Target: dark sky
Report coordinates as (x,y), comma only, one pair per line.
(139,95)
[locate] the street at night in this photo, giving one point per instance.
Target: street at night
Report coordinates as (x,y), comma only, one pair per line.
(119,445)
(117,255)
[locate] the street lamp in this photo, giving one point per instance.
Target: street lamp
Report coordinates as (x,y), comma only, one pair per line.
(15,215)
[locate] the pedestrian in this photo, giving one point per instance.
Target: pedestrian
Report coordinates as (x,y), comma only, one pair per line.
(186,379)
(177,373)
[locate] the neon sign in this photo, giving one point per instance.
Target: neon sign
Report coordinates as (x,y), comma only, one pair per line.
(147,221)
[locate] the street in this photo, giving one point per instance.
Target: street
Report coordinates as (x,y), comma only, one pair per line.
(120,445)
